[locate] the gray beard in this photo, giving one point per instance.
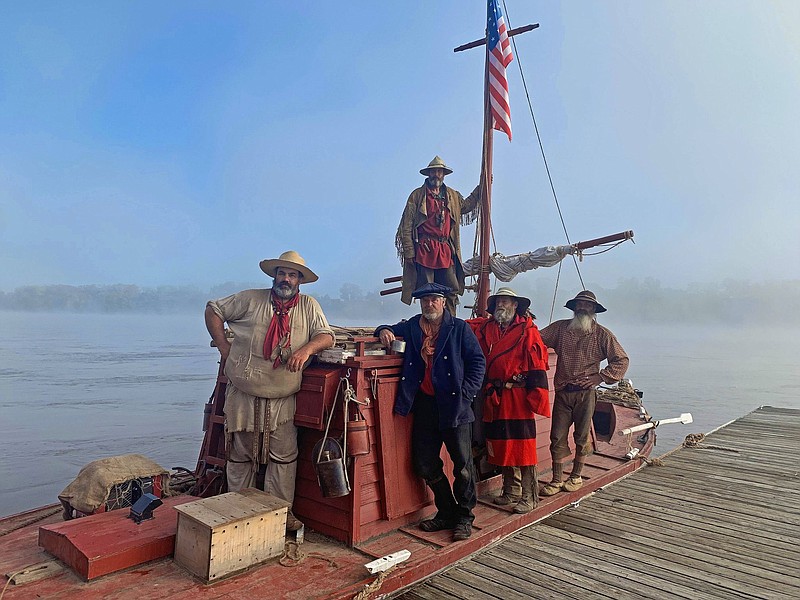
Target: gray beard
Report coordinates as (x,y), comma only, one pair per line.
(434,183)
(432,315)
(503,316)
(284,293)
(582,321)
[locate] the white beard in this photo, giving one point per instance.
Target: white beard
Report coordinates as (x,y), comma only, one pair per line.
(582,321)
(433,315)
(503,316)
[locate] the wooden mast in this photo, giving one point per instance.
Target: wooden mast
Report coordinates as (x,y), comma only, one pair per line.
(485,214)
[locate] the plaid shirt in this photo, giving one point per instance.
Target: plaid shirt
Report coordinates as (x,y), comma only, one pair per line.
(579,354)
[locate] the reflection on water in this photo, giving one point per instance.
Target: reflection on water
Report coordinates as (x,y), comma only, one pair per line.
(80,387)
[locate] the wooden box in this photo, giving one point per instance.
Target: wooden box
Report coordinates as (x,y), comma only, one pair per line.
(224,534)
(316,396)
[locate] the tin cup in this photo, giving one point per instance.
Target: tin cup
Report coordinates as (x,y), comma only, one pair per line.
(398,346)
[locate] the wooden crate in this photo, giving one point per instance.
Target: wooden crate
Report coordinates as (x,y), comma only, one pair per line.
(224,534)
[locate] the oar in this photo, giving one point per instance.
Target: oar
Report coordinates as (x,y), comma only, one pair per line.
(684,419)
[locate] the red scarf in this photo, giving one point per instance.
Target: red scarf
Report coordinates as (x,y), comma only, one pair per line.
(279,334)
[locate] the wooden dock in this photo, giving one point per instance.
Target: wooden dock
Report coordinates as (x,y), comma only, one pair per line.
(718,521)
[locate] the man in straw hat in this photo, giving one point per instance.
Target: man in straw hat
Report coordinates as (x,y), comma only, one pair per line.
(442,372)
(428,241)
(581,344)
(275,333)
(515,392)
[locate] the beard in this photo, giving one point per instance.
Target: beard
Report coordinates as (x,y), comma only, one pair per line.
(434,182)
(433,315)
(503,315)
(284,290)
(582,321)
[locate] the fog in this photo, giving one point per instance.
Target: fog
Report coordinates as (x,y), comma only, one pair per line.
(169,145)
(731,303)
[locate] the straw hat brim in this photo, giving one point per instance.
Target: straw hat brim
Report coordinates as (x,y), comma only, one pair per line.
(270,267)
(426,170)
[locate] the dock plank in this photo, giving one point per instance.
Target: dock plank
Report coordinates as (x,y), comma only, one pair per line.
(718,521)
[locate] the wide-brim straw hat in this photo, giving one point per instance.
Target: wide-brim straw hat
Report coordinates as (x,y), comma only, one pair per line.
(290,260)
(436,163)
(523,303)
(588,297)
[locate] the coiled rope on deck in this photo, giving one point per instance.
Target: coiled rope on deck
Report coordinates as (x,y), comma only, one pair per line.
(695,440)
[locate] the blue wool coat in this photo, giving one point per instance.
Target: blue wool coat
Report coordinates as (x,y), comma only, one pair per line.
(457,372)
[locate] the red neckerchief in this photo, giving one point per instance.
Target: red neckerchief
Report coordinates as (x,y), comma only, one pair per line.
(278,333)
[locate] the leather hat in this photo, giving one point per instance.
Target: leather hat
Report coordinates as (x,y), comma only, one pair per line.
(588,297)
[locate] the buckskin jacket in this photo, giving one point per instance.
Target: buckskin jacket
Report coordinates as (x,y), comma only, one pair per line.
(457,371)
(415,214)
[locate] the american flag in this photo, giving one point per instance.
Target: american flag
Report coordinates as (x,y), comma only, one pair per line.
(499,58)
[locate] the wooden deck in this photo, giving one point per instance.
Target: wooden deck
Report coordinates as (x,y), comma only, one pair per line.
(718,522)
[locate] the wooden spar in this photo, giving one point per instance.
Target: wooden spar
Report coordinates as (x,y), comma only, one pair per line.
(617,237)
(482,41)
(614,237)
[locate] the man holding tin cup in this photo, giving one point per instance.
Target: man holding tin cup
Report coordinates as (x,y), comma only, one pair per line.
(443,368)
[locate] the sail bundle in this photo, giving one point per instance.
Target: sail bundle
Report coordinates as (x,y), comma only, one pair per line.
(505,268)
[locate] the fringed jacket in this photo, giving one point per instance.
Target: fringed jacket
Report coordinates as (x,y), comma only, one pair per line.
(463,211)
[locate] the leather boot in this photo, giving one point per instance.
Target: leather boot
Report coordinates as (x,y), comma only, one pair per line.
(445,506)
(512,487)
(530,490)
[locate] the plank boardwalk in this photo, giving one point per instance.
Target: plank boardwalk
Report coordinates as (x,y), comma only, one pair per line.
(720,521)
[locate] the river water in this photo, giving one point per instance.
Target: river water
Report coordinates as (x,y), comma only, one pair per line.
(78,387)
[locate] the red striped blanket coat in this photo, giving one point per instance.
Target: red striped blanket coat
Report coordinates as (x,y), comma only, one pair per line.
(515,389)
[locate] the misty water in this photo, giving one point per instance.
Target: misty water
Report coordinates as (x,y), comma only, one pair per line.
(78,387)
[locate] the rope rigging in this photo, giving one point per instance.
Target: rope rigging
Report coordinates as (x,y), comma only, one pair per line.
(541,146)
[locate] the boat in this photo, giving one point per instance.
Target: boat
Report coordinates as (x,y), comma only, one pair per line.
(361,543)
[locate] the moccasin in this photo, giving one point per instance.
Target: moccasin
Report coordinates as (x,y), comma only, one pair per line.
(552,488)
(573,484)
(506,499)
(524,506)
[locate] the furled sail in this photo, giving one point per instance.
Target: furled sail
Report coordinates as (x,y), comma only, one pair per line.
(505,268)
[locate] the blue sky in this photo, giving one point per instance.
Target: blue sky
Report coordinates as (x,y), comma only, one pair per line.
(182,142)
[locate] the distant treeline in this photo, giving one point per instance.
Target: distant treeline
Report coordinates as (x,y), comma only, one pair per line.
(631,300)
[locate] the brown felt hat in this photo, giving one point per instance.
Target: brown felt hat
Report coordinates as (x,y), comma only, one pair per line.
(588,297)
